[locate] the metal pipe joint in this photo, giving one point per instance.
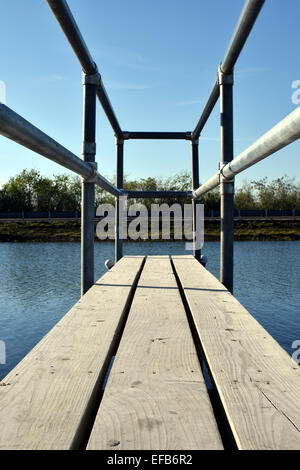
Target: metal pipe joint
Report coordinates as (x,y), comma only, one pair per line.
(94,176)
(222,177)
(93,79)
(224,78)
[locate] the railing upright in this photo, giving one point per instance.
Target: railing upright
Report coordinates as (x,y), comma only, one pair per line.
(90,83)
(120,177)
(226,186)
(195,203)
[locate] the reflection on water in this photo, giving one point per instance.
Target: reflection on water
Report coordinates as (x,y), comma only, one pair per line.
(41,281)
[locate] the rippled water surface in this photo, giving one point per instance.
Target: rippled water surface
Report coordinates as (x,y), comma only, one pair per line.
(40,282)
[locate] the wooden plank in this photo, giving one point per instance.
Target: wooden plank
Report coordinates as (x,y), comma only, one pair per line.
(257,381)
(46,399)
(156,397)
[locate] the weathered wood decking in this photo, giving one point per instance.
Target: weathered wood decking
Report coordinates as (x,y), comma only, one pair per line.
(147,312)
(156,397)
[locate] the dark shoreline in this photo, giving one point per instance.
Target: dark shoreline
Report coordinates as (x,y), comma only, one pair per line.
(69,231)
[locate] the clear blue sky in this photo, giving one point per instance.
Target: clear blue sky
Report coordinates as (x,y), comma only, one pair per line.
(158,62)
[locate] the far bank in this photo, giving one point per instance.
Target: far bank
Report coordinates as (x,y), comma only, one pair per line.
(69,231)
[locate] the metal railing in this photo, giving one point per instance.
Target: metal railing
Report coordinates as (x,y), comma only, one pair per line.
(18,129)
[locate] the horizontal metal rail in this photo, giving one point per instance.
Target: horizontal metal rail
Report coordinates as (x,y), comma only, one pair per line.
(246,21)
(157,135)
(107,107)
(281,135)
(16,128)
(157,194)
(103,183)
(69,26)
(210,104)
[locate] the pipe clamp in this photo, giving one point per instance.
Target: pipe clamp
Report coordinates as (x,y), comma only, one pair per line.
(93,178)
(224,78)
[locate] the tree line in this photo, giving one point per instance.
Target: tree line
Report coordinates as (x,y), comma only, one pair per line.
(31,191)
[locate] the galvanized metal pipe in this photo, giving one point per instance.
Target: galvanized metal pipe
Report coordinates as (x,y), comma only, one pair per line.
(108,109)
(65,19)
(245,24)
(103,183)
(210,184)
(88,188)
(226,186)
(281,135)
(195,185)
(157,135)
(120,178)
(246,21)
(210,104)
(18,129)
(157,194)
(87,236)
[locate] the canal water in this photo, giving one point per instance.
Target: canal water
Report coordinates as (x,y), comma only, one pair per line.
(40,282)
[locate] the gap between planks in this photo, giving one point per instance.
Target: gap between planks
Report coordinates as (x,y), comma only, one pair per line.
(156,397)
(49,395)
(257,381)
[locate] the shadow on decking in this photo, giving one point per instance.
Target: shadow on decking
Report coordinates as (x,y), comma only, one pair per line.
(160,287)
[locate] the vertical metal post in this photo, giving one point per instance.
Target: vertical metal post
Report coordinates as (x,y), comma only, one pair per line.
(195,185)
(90,83)
(226,186)
(120,177)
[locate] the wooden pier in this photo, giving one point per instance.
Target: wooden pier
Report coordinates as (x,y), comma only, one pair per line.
(128,367)
(161,319)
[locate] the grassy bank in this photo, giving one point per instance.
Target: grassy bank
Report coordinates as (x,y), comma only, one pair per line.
(70,231)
